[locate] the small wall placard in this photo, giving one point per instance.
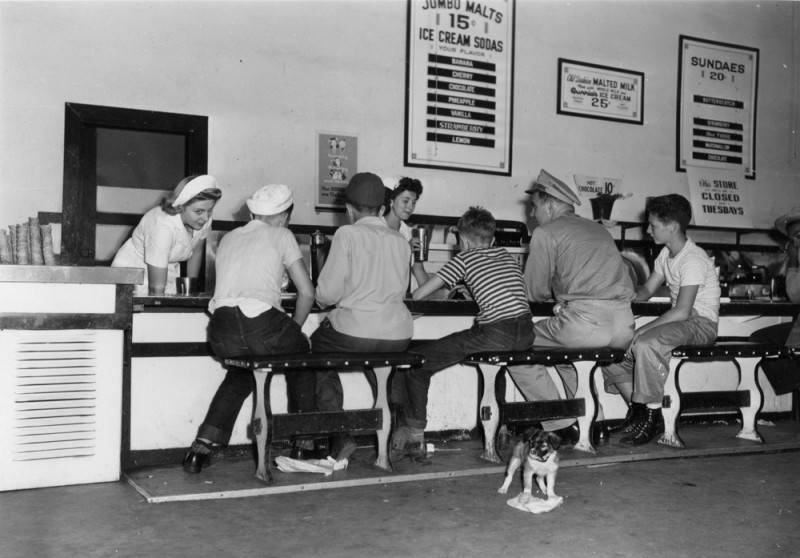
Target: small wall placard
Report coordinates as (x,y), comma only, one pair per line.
(595,91)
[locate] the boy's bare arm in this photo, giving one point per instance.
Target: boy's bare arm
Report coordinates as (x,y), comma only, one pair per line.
(434,283)
(644,292)
(681,311)
(305,291)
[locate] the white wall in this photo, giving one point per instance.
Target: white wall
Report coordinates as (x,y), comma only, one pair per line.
(270,75)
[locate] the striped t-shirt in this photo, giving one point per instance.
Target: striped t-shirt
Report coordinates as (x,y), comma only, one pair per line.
(494,278)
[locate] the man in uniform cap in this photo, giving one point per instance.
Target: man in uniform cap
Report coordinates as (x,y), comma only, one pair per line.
(574,262)
(784,373)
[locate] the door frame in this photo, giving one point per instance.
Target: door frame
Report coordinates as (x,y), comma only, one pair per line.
(79,204)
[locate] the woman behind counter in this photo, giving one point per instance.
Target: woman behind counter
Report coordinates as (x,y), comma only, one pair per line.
(171,233)
(402,195)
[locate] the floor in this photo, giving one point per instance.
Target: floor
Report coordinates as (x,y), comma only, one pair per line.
(671,505)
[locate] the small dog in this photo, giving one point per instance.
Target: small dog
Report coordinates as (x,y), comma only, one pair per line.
(538,453)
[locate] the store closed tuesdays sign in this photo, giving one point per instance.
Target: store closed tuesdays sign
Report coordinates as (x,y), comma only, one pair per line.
(460,77)
(719,198)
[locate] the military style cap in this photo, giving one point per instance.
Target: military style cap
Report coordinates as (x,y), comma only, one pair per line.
(782,223)
(551,185)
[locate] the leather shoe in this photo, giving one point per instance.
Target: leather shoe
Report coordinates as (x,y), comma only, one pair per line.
(197,457)
(648,427)
(306,448)
(412,450)
(569,435)
(599,433)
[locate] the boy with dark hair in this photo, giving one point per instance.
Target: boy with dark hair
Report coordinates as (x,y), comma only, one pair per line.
(365,276)
(503,323)
(694,292)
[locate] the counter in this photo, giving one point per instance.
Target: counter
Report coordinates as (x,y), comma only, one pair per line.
(173,375)
(64,332)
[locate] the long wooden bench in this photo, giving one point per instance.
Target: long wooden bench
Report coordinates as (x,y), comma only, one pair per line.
(583,406)
(747,398)
(267,426)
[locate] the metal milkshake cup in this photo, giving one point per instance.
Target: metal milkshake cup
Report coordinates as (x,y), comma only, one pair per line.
(421,250)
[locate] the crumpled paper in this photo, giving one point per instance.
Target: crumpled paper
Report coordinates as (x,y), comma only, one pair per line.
(325,466)
(535,505)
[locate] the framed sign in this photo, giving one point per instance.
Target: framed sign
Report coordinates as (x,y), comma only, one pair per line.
(719,197)
(337,162)
(603,92)
(717,97)
(460,85)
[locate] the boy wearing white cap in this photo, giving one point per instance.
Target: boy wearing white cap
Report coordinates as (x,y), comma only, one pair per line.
(575,262)
(365,276)
(247,317)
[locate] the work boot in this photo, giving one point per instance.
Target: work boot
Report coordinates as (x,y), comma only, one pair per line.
(343,446)
(197,456)
(635,411)
(408,441)
(650,426)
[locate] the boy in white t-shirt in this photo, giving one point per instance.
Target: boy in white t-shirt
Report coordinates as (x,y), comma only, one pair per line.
(691,276)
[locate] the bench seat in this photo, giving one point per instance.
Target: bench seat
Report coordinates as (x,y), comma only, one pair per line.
(747,398)
(583,406)
(267,426)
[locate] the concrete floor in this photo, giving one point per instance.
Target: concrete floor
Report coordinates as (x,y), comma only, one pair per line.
(727,506)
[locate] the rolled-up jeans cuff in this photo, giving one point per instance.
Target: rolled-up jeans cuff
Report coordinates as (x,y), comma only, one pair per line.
(415,423)
(214,434)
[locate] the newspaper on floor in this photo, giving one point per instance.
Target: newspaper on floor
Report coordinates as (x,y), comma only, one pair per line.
(325,466)
(535,505)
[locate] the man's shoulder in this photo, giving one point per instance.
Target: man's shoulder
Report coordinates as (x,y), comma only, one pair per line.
(574,226)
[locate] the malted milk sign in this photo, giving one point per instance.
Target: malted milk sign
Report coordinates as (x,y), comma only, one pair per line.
(460,83)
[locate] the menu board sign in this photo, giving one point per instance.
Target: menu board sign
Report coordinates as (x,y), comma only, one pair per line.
(718,85)
(337,162)
(460,83)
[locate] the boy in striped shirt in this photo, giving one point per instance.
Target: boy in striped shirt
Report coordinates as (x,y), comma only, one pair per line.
(503,323)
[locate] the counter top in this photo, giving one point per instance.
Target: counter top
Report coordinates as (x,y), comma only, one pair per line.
(199,303)
(70,274)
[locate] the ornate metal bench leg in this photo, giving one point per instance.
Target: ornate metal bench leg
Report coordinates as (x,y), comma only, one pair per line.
(748,381)
(261,425)
(672,407)
(489,411)
(585,370)
(381,402)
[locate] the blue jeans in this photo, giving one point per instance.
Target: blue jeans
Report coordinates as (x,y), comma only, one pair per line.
(322,390)
(646,361)
(231,334)
(410,386)
(783,373)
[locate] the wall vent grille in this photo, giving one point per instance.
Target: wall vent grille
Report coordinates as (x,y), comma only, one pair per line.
(55,397)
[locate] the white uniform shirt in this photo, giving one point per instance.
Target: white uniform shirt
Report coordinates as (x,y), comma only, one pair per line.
(250,264)
(160,240)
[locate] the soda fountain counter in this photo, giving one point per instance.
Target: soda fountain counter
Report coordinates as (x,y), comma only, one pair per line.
(173,375)
(64,341)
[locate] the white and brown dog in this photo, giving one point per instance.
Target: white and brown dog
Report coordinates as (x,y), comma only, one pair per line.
(538,453)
